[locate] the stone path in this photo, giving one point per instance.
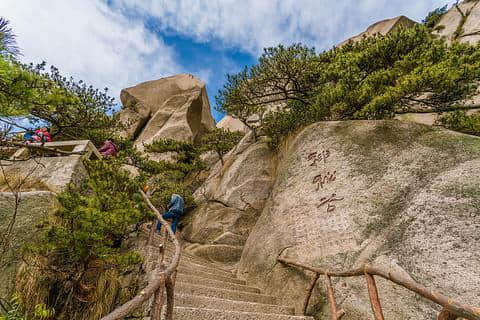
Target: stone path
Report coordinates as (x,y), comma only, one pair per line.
(204,291)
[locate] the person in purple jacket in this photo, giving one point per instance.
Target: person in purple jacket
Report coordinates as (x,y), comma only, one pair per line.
(108,149)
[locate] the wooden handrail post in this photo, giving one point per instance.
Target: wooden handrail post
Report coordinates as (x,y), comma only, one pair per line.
(334,313)
(373,295)
(151,234)
(170,288)
(158,302)
(454,307)
(309,293)
(159,278)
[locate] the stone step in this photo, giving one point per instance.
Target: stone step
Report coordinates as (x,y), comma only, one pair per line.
(185,257)
(195,259)
(183,313)
(191,263)
(215,283)
(208,275)
(198,290)
(186,300)
(198,267)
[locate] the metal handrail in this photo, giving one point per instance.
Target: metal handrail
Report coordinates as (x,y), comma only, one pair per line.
(451,309)
(162,277)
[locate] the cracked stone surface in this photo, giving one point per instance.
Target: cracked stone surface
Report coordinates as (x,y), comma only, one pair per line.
(451,21)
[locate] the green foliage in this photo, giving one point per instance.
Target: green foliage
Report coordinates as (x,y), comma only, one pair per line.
(88,233)
(169,176)
(370,79)
(434,17)
(221,141)
(282,74)
(8,43)
(187,155)
(94,219)
(14,309)
(73,109)
(165,184)
(460,121)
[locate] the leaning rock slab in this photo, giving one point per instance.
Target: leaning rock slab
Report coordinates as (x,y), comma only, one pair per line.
(399,195)
(174,107)
(230,201)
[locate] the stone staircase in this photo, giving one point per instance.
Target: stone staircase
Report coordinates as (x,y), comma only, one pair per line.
(204,291)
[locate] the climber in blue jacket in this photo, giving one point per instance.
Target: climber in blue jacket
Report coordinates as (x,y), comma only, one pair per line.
(175,212)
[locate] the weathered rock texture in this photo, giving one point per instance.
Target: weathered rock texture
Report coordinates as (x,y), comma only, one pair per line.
(174,107)
(230,202)
(46,173)
(231,124)
(400,195)
(24,215)
(382,28)
(461,23)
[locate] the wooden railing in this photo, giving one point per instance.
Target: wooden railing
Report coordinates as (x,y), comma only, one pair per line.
(163,278)
(451,309)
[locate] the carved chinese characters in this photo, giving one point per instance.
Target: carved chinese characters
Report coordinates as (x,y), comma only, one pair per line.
(329,202)
(325,177)
(321,156)
(322,179)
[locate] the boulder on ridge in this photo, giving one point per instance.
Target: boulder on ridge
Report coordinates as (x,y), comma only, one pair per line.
(174,107)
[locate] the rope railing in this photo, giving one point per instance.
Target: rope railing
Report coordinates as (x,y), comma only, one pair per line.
(452,309)
(163,277)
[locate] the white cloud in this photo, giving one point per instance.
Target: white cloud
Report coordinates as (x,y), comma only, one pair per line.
(110,45)
(254,24)
(89,41)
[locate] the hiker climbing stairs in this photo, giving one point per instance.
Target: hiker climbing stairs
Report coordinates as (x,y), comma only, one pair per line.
(203,290)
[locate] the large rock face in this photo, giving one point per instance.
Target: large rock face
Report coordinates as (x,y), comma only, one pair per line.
(174,107)
(461,23)
(24,214)
(230,202)
(382,28)
(399,195)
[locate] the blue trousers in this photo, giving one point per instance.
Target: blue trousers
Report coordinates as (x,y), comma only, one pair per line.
(175,216)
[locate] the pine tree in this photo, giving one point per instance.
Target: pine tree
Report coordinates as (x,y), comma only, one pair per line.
(221,141)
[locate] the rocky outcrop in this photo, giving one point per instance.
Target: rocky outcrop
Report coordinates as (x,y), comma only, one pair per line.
(24,214)
(230,202)
(47,173)
(174,107)
(381,28)
(399,195)
(461,23)
(232,124)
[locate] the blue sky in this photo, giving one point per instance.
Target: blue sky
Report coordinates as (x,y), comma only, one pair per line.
(119,43)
